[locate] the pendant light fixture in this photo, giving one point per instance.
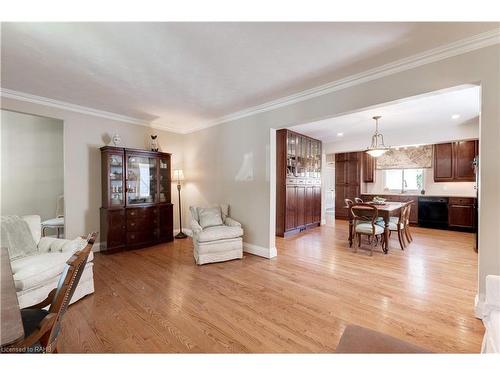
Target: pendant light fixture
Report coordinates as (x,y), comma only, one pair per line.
(377,148)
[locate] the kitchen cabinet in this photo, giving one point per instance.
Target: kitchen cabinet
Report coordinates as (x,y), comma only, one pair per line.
(461,213)
(453,161)
(298,182)
(368,168)
(347,180)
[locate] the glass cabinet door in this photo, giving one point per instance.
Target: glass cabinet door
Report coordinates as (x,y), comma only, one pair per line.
(142,180)
(164,181)
(115,167)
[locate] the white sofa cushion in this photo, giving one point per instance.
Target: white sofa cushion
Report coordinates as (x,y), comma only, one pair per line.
(35,270)
(35,225)
(51,244)
(210,217)
(222,232)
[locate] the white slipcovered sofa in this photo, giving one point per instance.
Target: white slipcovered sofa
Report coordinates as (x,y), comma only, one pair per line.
(491,315)
(216,236)
(37,274)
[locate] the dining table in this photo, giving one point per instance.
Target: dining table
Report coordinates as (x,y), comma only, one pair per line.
(11,328)
(385,210)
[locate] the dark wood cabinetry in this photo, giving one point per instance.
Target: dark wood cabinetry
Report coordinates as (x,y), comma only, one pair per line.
(136,209)
(298,182)
(453,161)
(461,213)
(368,167)
(347,180)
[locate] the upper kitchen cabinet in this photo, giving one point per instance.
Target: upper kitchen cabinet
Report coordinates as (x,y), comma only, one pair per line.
(368,167)
(453,162)
(465,152)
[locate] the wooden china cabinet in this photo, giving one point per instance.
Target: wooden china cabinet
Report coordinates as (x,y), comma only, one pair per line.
(298,182)
(136,190)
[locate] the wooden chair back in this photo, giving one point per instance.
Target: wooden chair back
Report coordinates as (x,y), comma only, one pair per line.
(407,213)
(66,287)
(364,212)
(358,200)
(348,202)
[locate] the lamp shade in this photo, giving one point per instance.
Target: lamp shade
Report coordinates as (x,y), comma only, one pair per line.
(178,175)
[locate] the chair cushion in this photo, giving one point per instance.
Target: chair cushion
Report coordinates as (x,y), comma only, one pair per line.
(221,232)
(36,270)
(366,228)
(210,217)
(57,221)
(31,318)
(393,225)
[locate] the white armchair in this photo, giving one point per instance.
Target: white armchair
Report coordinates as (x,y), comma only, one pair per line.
(491,318)
(36,274)
(216,236)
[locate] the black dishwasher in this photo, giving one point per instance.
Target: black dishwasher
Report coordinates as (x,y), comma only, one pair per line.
(433,212)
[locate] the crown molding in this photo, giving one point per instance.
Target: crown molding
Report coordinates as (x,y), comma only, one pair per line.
(35,99)
(462,46)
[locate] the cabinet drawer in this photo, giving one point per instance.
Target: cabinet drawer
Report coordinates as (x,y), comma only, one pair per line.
(142,223)
(134,238)
(461,201)
(141,212)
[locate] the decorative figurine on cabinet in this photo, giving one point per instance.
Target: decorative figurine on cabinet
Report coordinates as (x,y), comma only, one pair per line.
(154,143)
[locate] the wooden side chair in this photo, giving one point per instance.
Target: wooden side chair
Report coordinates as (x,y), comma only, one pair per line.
(358,200)
(364,222)
(407,231)
(42,327)
(400,223)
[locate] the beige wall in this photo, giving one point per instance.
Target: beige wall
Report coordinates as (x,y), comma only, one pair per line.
(251,200)
(83,135)
(32,164)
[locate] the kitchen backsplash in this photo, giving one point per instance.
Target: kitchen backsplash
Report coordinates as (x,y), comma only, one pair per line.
(459,189)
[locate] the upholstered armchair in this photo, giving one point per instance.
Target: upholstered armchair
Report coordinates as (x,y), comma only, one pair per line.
(216,236)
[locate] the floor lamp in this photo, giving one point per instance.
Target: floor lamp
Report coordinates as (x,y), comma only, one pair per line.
(179,176)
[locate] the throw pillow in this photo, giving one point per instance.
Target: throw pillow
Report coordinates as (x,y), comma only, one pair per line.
(210,217)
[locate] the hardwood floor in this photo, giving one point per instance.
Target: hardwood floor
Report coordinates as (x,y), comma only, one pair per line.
(158,300)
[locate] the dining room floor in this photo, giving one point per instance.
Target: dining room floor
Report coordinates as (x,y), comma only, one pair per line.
(158,300)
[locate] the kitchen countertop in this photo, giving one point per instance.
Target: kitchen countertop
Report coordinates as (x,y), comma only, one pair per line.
(423,195)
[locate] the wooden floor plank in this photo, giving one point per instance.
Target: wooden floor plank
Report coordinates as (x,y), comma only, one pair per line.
(158,300)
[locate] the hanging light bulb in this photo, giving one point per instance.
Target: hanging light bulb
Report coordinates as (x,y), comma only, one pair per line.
(377,148)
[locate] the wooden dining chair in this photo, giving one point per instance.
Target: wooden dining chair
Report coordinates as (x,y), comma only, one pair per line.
(348,202)
(364,217)
(399,224)
(358,200)
(42,327)
(407,231)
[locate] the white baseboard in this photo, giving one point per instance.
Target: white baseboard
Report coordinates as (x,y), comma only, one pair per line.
(479,301)
(259,250)
(97,247)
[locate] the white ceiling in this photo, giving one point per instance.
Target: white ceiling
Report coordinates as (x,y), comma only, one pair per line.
(185,75)
(422,114)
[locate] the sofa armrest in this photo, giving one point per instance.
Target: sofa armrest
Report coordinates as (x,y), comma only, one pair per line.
(195,227)
(231,222)
(493,291)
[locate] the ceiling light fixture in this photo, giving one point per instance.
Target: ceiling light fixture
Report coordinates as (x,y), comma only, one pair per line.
(340,134)
(455,117)
(377,148)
